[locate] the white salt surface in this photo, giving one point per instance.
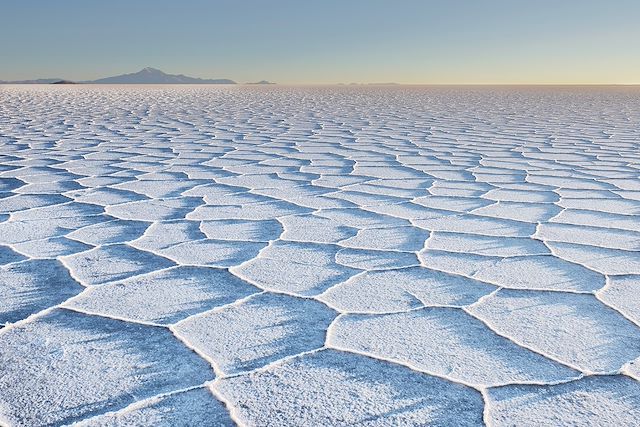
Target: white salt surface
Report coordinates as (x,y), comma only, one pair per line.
(319,256)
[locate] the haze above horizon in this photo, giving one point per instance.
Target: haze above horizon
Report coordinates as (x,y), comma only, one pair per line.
(292,42)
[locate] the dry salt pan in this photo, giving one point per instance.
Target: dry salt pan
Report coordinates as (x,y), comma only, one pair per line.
(335,256)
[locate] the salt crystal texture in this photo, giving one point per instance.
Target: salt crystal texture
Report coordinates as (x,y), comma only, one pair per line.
(319,256)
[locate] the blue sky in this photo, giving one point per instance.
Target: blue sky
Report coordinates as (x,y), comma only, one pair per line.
(404,41)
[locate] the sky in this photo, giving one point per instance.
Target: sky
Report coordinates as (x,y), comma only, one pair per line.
(326,41)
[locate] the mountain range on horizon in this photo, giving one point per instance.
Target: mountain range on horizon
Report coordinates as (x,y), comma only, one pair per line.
(147,75)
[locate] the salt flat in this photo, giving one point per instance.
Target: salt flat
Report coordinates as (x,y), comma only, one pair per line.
(319,256)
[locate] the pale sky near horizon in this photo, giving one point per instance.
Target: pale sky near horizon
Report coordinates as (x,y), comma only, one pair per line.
(330,41)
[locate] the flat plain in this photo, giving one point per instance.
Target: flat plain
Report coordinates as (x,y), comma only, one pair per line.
(197,255)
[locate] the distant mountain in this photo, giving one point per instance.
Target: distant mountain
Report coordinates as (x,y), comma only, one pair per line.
(154,76)
(262,82)
(145,76)
(63,82)
(32,82)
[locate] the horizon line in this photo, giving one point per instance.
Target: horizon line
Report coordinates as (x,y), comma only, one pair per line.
(84,83)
